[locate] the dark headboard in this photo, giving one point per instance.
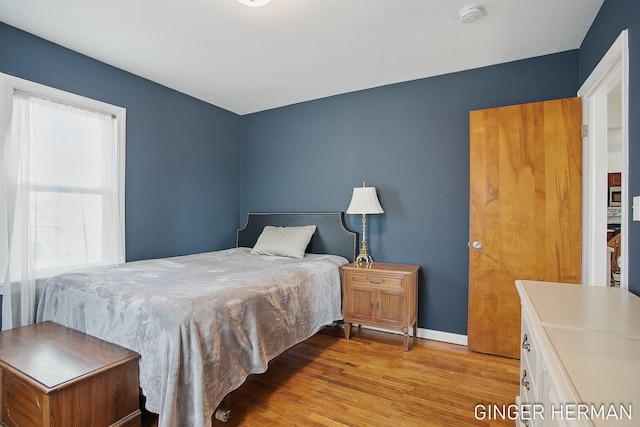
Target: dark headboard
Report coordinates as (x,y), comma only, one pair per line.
(331,236)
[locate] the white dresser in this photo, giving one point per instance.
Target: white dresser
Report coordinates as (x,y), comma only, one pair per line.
(580,356)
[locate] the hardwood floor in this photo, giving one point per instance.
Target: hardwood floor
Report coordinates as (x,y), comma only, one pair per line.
(370,381)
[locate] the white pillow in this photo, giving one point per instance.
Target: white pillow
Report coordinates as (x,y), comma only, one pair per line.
(284,241)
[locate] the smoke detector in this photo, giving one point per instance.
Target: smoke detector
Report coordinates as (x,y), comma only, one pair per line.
(471,13)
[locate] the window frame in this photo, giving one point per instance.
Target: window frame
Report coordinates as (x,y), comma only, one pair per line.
(9,84)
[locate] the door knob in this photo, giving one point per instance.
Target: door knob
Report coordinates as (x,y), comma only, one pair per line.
(477,245)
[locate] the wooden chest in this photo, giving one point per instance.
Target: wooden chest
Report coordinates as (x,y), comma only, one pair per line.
(53,376)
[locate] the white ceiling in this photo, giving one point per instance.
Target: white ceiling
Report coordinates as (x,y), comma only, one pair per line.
(248,59)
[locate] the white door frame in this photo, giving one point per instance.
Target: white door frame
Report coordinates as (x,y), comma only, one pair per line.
(612,69)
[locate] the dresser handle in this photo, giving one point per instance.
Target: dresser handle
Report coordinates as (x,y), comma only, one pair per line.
(524,380)
(525,343)
(375,282)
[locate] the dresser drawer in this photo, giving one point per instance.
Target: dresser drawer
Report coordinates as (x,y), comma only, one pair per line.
(529,413)
(528,390)
(529,349)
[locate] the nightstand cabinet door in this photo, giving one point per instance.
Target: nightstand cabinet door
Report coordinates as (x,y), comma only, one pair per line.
(361,300)
(382,295)
(390,306)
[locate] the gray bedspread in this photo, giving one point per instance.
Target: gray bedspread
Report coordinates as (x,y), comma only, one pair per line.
(202,323)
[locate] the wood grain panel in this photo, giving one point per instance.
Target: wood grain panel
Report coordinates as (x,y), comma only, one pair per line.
(23,402)
(391,309)
(525,209)
(362,302)
(116,383)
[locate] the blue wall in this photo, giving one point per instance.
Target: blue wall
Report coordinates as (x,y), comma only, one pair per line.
(615,16)
(411,141)
(183,155)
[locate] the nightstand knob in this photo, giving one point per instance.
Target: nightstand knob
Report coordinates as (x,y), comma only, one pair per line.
(375,282)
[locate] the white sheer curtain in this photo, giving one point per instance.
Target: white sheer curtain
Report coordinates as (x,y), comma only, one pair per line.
(62,195)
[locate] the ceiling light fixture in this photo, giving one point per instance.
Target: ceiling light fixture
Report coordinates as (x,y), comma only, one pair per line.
(471,13)
(254,3)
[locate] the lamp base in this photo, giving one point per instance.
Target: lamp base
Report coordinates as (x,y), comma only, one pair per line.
(363,256)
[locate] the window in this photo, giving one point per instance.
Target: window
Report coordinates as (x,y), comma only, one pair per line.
(61,182)
(68,181)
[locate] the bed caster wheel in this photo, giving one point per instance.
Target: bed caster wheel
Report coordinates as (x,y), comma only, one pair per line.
(222,415)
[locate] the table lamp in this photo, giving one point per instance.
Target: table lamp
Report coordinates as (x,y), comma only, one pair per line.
(364,201)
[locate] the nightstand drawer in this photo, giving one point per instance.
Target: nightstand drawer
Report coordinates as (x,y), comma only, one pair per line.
(374,279)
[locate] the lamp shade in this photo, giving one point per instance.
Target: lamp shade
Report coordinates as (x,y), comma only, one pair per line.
(364,201)
(254,3)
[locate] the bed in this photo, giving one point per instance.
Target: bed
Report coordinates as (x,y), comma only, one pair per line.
(202,323)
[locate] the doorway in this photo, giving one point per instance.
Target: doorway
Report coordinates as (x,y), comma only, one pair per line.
(605,150)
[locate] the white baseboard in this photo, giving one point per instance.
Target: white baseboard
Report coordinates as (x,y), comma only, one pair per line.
(430,335)
(442,336)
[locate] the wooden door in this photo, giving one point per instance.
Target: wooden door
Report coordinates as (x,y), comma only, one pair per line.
(525,212)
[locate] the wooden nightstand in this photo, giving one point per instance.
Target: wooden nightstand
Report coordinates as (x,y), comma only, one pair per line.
(383,295)
(55,376)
